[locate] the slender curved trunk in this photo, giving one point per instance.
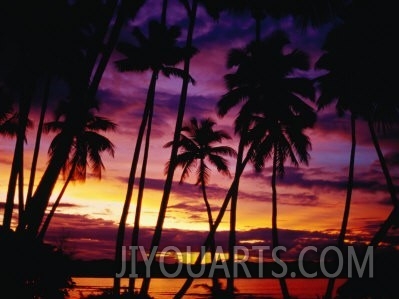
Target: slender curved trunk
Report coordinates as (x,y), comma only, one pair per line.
(129,193)
(212,245)
(123,11)
(275,242)
(218,219)
(137,216)
(179,122)
(49,217)
(393,217)
(233,221)
(349,188)
(21,189)
(100,37)
(17,162)
(384,167)
(38,139)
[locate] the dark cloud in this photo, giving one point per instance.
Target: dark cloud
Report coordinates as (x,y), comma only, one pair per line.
(304,178)
(90,238)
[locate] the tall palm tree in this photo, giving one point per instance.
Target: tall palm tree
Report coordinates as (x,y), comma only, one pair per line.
(86,152)
(356,58)
(196,145)
(332,91)
(158,53)
(191,9)
(262,76)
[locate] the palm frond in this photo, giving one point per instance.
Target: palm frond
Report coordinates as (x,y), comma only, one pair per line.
(99,123)
(302,86)
(230,100)
(53,126)
(203,174)
(224,150)
(297,60)
(220,163)
(176,72)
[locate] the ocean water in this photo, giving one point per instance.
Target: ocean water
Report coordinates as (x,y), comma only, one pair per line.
(251,288)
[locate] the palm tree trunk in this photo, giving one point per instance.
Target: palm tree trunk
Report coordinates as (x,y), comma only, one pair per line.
(137,216)
(125,9)
(38,139)
(218,219)
(46,223)
(275,242)
(17,163)
(233,221)
(384,167)
(179,122)
(349,188)
(21,188)
(393,217)
(212,245)
(35,209)
(122,224)
(100,37)
(387,224)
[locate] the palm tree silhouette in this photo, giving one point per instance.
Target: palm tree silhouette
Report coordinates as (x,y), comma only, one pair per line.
(356,58)
(159,53)
(261,77)
(333,90)
(86,152)
(213,8)
(196,144)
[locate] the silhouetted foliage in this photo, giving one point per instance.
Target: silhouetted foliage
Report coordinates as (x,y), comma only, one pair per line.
(32,269)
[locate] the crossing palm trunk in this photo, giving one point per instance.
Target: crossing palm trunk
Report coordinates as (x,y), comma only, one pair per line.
(38,138)
(36,207)
(129,193)
(349,188)
(179,122)
(49,217)
(17,163)
(233,221)
(212,245)
(137,216)
(219,218)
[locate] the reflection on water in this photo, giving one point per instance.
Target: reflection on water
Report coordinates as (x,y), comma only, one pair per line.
(248,288)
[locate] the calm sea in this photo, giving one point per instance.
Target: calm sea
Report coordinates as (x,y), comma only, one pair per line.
(247,288)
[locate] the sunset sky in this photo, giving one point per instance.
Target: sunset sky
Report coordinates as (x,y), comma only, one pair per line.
(310,198)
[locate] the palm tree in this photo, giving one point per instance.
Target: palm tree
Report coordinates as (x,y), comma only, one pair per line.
(86,152)
(213,10)
(332,91)
(196,142)
(61,147)
(158,53)
(354,80)
(262,75)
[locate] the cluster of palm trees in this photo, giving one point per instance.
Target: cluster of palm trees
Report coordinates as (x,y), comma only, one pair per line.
(276,105)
